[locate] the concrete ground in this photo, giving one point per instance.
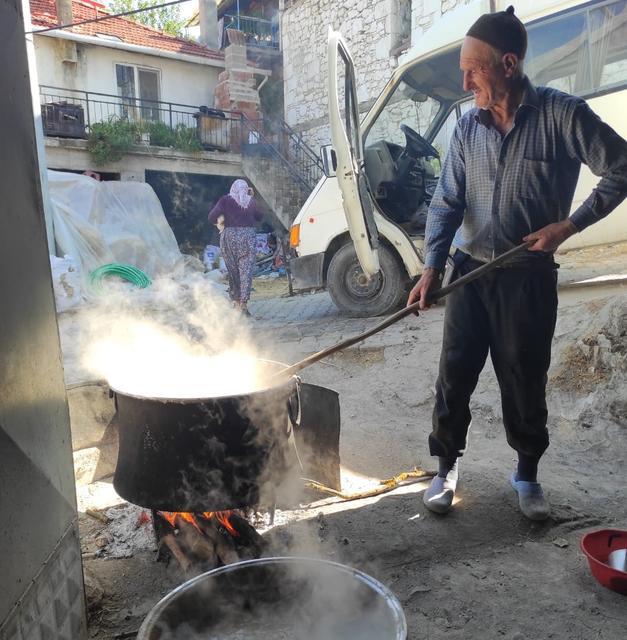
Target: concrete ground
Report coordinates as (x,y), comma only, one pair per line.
(483,571)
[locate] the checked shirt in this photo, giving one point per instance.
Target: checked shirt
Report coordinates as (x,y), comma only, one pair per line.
(494,189)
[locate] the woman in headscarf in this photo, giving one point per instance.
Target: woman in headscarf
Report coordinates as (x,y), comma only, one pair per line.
(237,213)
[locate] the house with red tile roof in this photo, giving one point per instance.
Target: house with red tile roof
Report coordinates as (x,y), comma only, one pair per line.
(118,70)
(120,57)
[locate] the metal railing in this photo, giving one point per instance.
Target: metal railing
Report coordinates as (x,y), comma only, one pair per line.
(258,32)
(73,113)
(275,139)
(306,159)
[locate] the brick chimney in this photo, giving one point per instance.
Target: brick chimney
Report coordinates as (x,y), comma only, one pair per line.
(64,11)
(236,89)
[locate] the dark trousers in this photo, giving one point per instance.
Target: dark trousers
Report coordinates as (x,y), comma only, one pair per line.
(510,313)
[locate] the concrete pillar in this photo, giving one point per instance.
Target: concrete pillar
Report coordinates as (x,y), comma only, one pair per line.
(208,23)
(42,584)
(39,132)
(64,11)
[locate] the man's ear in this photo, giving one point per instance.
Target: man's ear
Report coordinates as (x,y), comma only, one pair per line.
(510,64)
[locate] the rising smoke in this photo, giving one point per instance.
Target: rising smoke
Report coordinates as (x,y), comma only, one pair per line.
(174,340)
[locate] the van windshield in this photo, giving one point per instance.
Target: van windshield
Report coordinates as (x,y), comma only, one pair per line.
(425,91)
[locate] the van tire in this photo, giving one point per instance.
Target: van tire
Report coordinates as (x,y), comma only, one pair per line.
(357,299)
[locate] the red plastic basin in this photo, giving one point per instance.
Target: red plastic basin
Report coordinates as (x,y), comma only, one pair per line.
(597,546)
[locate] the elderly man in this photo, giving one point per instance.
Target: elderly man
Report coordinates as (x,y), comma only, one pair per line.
(509,175)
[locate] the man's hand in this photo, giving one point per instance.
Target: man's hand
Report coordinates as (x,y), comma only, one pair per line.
(429,281)
(550,237)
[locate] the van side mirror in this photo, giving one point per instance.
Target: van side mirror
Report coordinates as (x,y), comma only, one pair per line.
(329,160)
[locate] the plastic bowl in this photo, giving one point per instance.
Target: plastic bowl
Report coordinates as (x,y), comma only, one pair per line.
(597,546)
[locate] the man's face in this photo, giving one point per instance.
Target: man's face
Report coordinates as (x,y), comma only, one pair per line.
(484,74)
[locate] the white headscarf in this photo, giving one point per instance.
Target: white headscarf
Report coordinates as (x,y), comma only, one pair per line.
(239,193)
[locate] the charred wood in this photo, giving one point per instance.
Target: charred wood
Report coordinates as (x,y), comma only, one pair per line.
(223,542)
(169,541)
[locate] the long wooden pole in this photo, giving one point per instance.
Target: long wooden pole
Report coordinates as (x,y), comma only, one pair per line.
(402,313)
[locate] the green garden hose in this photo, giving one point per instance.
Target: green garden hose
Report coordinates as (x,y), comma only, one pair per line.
(125,271)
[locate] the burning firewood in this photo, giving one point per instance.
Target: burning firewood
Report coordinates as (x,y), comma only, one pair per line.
(250,543)
(197,544)
(169,540)
(223,545)
(202,541)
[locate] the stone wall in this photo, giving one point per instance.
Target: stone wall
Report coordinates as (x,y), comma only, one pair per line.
(376,32)
(425,12)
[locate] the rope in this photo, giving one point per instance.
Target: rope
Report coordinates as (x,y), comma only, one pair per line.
(417,475)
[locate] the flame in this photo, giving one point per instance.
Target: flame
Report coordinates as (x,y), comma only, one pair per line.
(221,516)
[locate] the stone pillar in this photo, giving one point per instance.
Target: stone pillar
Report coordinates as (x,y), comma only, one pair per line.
(208,23)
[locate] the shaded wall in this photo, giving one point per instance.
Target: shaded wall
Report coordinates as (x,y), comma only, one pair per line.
(186,200)
(41,591)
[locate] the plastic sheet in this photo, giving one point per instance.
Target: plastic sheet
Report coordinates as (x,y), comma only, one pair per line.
(102,222)
(66,282)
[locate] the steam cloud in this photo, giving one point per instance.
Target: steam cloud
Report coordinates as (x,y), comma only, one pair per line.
(171,341)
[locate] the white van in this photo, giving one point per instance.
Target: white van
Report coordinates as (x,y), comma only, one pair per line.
(368,251)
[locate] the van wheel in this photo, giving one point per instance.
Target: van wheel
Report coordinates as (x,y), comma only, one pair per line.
(358,297)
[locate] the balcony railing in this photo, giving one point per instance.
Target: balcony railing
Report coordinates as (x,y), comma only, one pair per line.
(258,32)
(72,113)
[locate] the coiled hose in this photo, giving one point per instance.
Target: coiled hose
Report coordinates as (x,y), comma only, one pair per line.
(125,271)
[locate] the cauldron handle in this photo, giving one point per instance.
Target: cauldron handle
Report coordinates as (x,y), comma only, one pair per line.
(114,396)
(294,407)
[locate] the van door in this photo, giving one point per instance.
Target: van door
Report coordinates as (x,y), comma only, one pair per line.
(346,138)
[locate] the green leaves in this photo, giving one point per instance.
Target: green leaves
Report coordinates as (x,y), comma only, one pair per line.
(166,19)
(108,141)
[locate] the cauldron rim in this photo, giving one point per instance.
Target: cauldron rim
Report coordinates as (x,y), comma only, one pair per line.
(378,587)
(281,383)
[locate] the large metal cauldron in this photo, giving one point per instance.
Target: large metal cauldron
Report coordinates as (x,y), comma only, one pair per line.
(205,454)
(274,598)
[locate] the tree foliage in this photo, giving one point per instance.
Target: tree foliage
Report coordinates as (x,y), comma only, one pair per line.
(166,19)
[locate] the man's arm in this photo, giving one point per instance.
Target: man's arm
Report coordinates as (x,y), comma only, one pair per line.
(596,144)
(444,218)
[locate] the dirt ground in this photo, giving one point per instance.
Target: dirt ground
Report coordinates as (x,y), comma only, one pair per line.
(483,571)
(264,288)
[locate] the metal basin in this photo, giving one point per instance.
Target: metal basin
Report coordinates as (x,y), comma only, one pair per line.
(278,599)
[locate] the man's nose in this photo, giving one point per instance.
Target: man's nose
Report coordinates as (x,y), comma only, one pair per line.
(466,80)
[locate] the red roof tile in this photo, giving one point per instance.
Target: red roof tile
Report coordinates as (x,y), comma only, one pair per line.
(44,14)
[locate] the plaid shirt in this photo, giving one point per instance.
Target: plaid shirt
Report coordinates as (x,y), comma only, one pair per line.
(495,190)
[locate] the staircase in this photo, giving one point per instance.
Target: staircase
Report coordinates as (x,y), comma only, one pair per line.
(280,165)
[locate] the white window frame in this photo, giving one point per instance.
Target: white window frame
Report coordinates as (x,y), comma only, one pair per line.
(136,109)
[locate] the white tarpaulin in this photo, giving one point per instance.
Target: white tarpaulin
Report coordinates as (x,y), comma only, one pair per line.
(97,223)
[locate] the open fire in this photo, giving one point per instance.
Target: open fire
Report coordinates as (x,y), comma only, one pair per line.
(221,516)
(203,541)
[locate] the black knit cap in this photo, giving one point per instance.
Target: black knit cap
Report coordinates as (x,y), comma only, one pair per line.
(503,30)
